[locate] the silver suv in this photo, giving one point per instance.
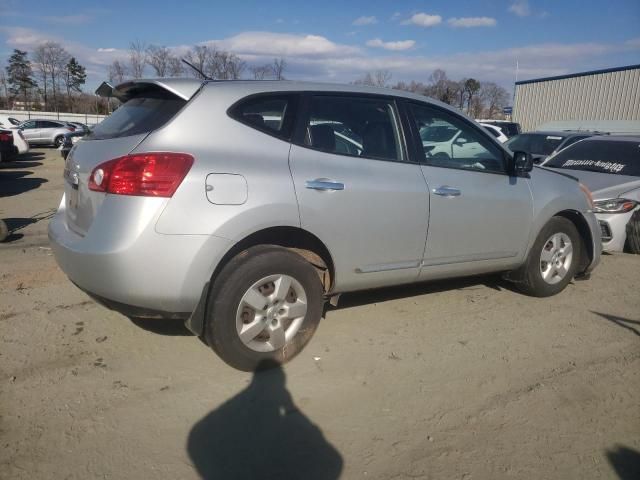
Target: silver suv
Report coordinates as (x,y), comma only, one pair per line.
(241,207)
(45,132)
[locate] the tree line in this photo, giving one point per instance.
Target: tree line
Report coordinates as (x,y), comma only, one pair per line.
(214,63)
(52,79)
(478,99)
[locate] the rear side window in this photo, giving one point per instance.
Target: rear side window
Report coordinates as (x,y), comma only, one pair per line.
(142,114)
(270,113)
(353,126)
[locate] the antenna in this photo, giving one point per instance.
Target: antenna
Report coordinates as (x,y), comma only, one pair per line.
(196,69)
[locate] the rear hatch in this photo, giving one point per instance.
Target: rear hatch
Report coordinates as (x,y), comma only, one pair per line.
(146,106)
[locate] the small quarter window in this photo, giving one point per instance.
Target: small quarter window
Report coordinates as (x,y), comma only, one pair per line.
(269,113)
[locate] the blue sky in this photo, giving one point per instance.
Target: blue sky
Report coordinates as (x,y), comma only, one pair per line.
(340,40)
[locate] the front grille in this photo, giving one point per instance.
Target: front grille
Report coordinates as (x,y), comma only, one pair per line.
(605,231)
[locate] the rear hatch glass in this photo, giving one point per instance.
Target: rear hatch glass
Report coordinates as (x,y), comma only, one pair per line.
(147,109)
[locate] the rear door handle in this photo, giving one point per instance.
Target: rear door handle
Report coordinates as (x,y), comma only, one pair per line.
(323,184)
(447,191)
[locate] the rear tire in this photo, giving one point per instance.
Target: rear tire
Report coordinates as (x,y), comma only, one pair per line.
(58,141)
(248,335)
(633,233)
(553,260)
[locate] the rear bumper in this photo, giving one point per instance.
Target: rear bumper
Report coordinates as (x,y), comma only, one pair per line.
(146,274)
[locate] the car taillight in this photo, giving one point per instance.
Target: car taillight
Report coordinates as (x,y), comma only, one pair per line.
(72,129)
(156,174)
(6,137)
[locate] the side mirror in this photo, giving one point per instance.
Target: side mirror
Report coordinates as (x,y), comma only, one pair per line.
(460,141)
(522,162)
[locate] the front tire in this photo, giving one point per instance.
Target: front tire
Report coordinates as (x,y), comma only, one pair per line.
(553,259)
(633,233)
(264,307)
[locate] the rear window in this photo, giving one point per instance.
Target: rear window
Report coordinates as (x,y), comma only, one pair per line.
(535,143)
(141,114)
(615,157)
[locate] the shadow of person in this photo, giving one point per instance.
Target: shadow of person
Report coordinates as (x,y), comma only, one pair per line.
(625,461)
(261,434)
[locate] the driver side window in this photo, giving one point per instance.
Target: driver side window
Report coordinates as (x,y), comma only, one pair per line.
(451,142)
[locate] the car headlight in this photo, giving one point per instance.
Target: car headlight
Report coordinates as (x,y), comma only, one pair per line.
(614,205)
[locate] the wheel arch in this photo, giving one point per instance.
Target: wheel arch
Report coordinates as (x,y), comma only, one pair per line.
(582,226)
(295,239)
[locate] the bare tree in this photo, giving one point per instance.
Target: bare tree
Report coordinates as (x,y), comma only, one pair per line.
(57,58)
(278,67)
(5,87)
(175,67)
(471,87)
(137,58)
(158,58)
(117,72)
(199,57)
(379,78)
(366,79)
(41,63)
(494,97)
(382,77)
(261,72)
(223,65)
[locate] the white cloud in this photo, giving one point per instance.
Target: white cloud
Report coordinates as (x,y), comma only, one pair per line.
(282,44)
(423,20)
(106,50)
(361,21)
(520,8)
(467,22)
(394,46)
(395,16)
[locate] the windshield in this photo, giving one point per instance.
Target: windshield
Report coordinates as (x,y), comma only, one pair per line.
(141,114)
(437,133)
(534,143)
(604,156)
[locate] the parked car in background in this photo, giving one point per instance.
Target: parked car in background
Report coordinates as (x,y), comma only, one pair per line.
(245,234)
(495,131)
(80,128)
(543,144)
(70,139)
(510,129)
(8,122)
(45,132)
(610,167)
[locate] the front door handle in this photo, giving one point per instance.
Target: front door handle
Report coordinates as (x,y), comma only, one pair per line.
(324,184)
(447,191)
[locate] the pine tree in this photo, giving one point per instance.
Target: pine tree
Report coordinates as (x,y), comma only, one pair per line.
(20,75)
(74,77)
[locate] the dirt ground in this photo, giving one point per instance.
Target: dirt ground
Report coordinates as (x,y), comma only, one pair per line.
(464,379)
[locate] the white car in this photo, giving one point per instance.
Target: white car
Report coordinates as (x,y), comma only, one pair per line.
(496,132)
(19,140)
(8,122)
(610,167)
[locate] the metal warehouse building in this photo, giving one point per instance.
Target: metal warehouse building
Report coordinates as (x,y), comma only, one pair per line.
(611,94)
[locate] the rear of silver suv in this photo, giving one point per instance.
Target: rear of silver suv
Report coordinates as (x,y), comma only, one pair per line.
(241,207)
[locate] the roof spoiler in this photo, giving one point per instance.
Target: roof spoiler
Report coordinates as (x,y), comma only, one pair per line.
(183,88)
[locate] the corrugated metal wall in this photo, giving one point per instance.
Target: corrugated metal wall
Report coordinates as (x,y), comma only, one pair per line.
(604,96)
